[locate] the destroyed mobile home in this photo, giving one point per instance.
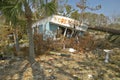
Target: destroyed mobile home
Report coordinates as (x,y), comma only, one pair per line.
(55,25)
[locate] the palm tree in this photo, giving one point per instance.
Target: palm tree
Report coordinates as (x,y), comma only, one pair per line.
(8,21)
(51,9)
(13,9)
(48,8)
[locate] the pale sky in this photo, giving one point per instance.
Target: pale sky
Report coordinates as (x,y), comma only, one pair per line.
(109,7)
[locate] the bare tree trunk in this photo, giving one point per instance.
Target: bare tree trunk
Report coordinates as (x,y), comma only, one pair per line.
(28,14)
(37,71)
(31,44)
(16,41)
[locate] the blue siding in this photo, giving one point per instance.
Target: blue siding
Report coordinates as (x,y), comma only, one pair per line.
(48,30)
(40,27)
(46,25)
(53,27)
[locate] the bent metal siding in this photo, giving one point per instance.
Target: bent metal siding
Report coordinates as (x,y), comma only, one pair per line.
(63,21)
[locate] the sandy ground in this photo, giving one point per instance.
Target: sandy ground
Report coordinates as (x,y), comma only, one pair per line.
(64,66)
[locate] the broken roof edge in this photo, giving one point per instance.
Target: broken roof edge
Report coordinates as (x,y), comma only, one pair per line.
(62,21)
(42,20)
(52,16)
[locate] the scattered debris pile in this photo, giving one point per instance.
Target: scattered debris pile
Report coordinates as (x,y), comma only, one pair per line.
(81,58)
(80,43)
(64,65)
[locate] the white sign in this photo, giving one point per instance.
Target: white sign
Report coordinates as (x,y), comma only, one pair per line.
(68,22)
(65,21)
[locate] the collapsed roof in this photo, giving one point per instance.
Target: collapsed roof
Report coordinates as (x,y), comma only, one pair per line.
(63,21)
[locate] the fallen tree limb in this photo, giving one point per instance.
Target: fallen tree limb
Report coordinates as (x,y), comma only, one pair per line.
(105,29)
